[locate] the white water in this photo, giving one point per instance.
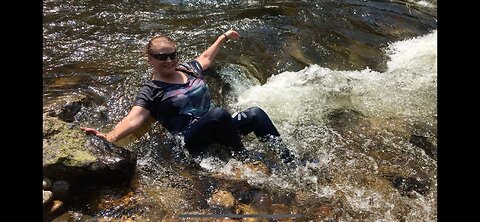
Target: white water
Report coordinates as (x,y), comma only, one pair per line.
(298,101)
(408,88)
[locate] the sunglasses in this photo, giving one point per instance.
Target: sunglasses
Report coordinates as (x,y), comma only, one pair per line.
(164,56)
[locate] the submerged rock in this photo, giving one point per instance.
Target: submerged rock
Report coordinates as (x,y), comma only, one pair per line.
(66,107)
(281,209)
(70,155)
(324,212)
(72,216)
(343,118)
(245,209)
(258,167)
(407,185)
(262,202)
(223,199)
(424,143)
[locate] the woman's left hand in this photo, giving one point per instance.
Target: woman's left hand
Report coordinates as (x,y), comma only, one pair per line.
(94,132)
(232,34)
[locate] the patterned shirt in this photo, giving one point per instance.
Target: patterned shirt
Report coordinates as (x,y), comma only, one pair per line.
(175,106)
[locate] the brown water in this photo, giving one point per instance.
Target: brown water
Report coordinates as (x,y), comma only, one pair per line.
(364,108)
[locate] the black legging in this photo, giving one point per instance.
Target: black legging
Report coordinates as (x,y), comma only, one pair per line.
(217,126)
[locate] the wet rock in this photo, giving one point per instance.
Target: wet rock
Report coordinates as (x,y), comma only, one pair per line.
(244,194)
(254,68)
(113,200)
(280,209)
(353,55)
(401,211)
(70,155)
(294,49)
(53,210)
(245,209)
(425,144)
(283,197)
(217,86)
(47,197)
(262,202)
(72,216)
(47,184)
(222,198)
(325,209)
(407,185)
(398,126)
(66,107)
(258,166)
(303,198)
(169,218)
(57,204)
(324,212)
(166,199)
(61,189)
(341,118)
(342,208)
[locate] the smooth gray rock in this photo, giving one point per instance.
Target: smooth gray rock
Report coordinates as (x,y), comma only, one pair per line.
(47,184)
(47,197)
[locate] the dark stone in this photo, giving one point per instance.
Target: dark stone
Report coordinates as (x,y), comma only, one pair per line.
(47,184)
(61,189)
(69,111)
(66,107)
(424,143)
(407,185)
(245,194)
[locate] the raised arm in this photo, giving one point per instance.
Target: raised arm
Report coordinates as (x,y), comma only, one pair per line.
(135,118)
(206,58)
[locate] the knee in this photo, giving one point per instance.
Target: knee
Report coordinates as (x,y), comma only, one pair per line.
(257,112)
(220,114)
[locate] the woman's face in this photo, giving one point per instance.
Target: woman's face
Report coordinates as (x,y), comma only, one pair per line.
(163,56)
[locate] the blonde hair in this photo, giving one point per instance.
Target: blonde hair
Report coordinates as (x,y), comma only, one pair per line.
(162,38)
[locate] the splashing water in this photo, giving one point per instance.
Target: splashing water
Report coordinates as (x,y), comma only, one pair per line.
(300,104)
(366,138)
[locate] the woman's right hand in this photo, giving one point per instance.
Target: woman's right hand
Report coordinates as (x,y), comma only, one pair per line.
(232,34)
(94,132)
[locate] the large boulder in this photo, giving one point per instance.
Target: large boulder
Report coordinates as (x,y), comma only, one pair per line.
(83,160)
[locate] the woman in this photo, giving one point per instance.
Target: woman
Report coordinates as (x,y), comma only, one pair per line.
(179,98)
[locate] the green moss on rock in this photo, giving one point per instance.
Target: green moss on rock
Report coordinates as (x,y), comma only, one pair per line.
(64,144)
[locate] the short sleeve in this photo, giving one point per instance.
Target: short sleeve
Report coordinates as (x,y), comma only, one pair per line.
(193,67)
(144,98)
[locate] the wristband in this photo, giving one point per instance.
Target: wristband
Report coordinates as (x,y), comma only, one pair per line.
(225,36)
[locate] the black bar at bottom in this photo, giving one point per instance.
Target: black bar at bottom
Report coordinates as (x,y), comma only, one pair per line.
(239,215)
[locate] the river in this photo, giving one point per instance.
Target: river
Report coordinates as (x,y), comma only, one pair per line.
(350,84)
